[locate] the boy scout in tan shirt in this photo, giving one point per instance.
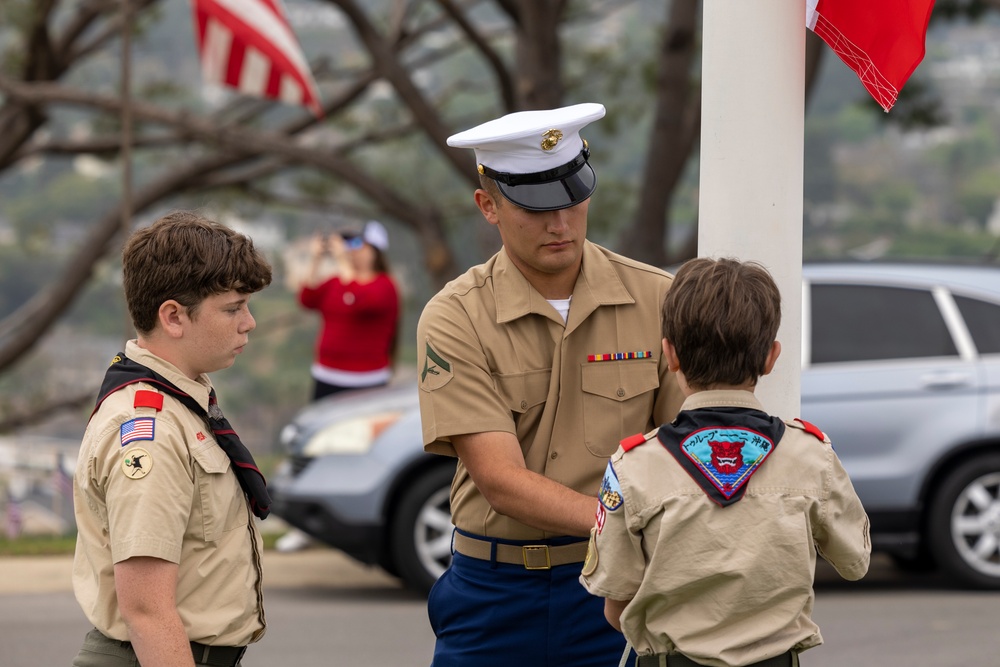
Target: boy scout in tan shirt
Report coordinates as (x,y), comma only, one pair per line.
(167,564)
(708,528)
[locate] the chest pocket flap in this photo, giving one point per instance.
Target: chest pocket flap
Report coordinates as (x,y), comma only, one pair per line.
(620,381)
(211,458)
(220,496)
(523,391)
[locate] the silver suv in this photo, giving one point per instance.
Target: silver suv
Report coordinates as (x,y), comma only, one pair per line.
(901,367)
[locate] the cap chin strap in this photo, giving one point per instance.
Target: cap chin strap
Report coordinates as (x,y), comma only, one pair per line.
(547,176)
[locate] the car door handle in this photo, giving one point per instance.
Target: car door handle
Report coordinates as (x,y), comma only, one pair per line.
(945,380)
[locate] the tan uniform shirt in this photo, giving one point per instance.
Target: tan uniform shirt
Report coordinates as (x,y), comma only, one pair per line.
(171,497)
(494,355)
(732,585)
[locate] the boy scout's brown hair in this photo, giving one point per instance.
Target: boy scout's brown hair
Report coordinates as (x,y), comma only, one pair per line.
(721,315)
(186,257)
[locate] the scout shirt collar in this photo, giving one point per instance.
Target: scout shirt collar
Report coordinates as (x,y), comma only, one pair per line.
(197,389)
(597,285)
(722,398)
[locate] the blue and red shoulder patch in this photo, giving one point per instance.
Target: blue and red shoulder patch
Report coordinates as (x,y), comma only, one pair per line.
(610,494)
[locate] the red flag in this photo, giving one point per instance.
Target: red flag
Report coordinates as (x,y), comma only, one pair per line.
(881,40)
(249,45)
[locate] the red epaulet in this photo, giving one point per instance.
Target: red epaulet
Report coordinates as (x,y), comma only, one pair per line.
(632,441)
(812,429)
(148,399)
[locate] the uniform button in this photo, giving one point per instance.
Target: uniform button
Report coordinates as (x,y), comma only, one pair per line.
(524,405)
(555,455)
(621,392)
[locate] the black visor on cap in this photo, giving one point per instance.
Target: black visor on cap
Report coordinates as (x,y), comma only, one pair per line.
(551,195)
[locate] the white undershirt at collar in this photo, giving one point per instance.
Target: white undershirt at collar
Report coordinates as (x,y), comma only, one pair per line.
(561,306)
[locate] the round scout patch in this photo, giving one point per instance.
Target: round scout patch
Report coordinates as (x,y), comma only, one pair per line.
(590,562)
(137,463)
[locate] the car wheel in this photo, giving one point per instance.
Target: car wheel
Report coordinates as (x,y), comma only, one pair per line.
(965,523)
(421,529)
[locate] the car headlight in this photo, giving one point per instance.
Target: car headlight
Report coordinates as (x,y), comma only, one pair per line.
(288,435)
(351,436)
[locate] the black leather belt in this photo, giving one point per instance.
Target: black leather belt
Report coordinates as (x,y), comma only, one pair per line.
(531,556)
(786,659)
(217,656)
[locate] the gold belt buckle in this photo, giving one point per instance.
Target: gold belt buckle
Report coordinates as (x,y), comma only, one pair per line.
(532,549)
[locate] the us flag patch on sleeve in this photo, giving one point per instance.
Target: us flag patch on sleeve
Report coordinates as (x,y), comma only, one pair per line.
(140,428)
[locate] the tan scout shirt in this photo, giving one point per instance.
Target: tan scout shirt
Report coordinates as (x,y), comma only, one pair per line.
(187,509)
(726,586)
(493,355)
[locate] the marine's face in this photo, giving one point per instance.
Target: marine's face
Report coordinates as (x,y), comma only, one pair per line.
(218,331)
(547,246)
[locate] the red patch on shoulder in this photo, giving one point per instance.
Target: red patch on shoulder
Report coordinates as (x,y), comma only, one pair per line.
(633,441)
(812,429)
(148,399)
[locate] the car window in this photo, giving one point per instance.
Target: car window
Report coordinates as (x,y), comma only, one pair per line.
(867,323)
(983,320)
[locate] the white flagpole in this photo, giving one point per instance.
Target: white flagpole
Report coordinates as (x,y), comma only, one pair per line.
(752,144)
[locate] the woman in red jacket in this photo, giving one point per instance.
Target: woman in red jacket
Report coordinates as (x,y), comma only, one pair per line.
(360,309)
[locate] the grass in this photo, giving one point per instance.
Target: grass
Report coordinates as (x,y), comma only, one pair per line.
(38,545)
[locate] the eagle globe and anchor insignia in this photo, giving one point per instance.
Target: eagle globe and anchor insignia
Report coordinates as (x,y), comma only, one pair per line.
(726,457)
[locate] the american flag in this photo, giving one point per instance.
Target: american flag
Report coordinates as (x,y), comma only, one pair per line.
(140,428)
(249,45)
(14,522)
(61,482)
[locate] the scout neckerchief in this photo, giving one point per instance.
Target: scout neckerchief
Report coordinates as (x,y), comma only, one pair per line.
(721,448)
(124,371)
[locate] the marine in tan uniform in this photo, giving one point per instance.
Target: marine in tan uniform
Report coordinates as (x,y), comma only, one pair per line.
(709,527)
(167,564)
(532,366)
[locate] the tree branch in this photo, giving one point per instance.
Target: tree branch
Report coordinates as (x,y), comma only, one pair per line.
(387,64)
(672,138)
(38,414)
(97,146)
(236,139)
(504,80)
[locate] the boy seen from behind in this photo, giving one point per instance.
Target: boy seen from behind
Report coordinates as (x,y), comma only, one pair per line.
(708,527)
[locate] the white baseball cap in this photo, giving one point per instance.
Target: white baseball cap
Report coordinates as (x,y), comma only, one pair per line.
(375,234)
(537,158)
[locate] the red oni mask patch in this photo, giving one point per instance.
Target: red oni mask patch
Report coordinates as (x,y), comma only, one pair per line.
(727,457)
